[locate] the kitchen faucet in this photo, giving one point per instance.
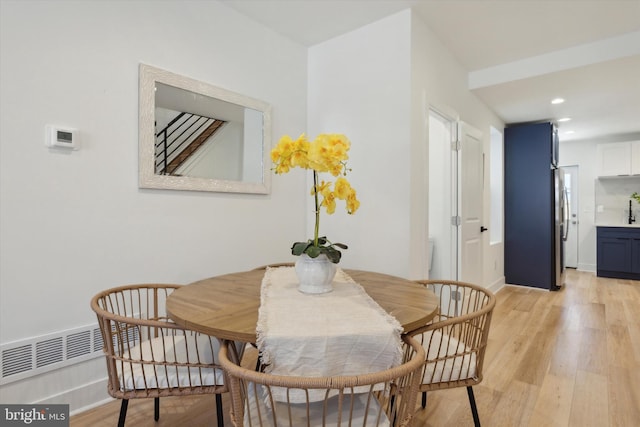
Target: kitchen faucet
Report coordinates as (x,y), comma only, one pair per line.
(632,218)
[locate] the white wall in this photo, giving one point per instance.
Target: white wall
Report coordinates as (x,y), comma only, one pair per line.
(376,84)
(583,154)
(359,85)
(440,81)
(74,224)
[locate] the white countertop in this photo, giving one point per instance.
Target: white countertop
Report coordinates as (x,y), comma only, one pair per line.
(612,224)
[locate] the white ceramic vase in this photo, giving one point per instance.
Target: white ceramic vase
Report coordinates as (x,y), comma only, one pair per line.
(315,274)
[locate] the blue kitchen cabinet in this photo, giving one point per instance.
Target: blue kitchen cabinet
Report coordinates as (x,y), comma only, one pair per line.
(618,252)
(635,255)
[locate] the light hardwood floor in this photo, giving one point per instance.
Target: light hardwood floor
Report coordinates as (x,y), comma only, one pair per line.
(567,358)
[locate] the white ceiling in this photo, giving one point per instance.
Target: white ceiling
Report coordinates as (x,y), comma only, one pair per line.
(520,54)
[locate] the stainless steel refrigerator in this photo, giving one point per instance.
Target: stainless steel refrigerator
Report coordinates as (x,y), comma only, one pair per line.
(536,212)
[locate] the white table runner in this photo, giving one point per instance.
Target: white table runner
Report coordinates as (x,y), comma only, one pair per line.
(343,332)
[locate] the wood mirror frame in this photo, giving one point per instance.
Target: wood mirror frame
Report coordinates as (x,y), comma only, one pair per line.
(208,101)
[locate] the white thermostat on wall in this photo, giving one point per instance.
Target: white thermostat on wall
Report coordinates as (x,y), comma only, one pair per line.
(59,137)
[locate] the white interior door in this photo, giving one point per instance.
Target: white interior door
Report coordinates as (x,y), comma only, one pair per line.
(470,203)
(571,244)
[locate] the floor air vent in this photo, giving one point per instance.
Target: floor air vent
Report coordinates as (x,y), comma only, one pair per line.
(32,356)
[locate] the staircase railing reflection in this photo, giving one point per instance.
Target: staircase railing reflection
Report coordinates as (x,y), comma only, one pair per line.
(182,136)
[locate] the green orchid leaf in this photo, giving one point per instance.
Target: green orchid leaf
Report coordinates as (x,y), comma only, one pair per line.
(341,245)
(334,255)
(299,248)
(313,251)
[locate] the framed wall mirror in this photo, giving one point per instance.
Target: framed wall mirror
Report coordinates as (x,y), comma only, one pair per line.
(199,137)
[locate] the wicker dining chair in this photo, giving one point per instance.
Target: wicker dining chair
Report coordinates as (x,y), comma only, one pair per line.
(385,398)
(148,355)
(456,339)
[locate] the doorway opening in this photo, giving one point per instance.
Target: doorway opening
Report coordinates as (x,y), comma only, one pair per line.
(571,181)
(443,199)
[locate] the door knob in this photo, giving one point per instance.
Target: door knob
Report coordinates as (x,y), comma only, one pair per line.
(483,229)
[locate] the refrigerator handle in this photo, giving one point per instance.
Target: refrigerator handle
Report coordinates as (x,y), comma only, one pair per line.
(566,212)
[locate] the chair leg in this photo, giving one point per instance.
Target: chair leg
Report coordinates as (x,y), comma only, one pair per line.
(123,412)
(156,408)
(392,410)
(219,410)
(424,399)
(474,408)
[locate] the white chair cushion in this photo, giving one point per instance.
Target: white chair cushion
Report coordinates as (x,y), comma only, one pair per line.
(150,375)
(256,410)
(437,345)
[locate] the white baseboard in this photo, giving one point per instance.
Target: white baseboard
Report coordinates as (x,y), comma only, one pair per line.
(496,286)
(591,268)
(81,386)
(81,398)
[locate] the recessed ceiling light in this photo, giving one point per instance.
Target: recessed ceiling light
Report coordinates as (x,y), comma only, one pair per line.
(564,119)
(569,132)
(557,101)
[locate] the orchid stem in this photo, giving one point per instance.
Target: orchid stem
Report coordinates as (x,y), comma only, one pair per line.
(315,194)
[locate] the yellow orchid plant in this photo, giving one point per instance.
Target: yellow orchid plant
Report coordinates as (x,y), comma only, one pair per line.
(636,197)
(325,154)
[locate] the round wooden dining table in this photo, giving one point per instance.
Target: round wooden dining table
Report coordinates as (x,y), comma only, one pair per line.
(227,306)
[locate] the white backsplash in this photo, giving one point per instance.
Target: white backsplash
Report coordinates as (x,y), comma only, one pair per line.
(612,200)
